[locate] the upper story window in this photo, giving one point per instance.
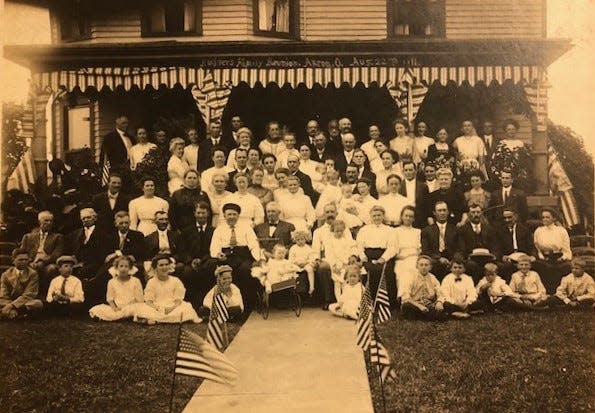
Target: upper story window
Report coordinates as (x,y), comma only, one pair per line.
(74,16)
(276,18)
(172,18)
(416,18)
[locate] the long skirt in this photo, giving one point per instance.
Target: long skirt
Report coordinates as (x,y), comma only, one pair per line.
(183,312)
(106,313)
(405,270)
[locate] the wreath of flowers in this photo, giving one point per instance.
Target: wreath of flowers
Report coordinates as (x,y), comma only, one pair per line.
(517,160)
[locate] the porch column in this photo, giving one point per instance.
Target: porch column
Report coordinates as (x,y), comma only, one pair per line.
(537,97)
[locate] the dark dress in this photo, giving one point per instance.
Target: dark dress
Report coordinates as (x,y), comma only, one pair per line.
(181,206)
(442,158)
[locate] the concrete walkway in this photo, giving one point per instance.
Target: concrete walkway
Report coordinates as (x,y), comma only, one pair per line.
(288,364)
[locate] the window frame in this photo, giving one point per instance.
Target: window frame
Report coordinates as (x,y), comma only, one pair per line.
(294,22)
(146,22)
(390,24)
(67,10)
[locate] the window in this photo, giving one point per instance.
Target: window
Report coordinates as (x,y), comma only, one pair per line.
(416,18)
(277,18)
(172,18)
(74,19)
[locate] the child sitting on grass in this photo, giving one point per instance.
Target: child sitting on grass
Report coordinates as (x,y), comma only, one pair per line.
(493,292)
(124,293)
(276,269)
(576,290)
(230,292)
(338,248)
(459,296)
(19,286)
(302,255)
(164,297)
(348,302)
(65,294)
(527,284)
(422,297)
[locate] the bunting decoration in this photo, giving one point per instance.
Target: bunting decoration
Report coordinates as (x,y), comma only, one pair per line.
(211,98)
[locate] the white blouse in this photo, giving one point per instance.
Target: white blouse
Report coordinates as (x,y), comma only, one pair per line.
(252,212)
(138,152)
(297,209)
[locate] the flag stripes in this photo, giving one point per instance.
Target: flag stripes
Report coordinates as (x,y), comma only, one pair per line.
(216,333)
(105,169)
(379,357)
(560,185)
(536,95)
(24,175)
(364,320)
(382,304)
(212,98)
(196,357)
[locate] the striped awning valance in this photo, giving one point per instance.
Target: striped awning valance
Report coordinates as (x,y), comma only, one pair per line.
(126,77)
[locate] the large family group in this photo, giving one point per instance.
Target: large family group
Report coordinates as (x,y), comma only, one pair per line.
(446,229)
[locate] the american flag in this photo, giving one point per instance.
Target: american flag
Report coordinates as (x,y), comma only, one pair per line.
(195,357)
(24,175)
(216,333)
(364,320)
(381,304)
(561,185)
(211,98)
(380,358)
(105,169)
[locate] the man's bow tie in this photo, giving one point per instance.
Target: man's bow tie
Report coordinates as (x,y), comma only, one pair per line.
(457,280)
(272,224)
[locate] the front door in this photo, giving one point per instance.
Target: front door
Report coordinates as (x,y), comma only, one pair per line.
(79,127)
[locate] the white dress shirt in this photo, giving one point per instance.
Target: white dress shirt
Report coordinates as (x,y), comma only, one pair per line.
(73,288)
(410,188)
(163,240)
(458,291)
(245,237)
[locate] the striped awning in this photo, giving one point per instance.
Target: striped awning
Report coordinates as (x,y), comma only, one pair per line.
(127,77)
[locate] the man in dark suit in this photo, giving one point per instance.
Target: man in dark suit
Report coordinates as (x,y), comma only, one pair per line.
(476,233)
(334,135)
(241,158)
(509,197)
(107,203)
(163,240)
(115,146)
(345,155)
(232,135)
(293,164)
(44,247)
(273,230)
(446,192)
(193,252)
(312,130)
(320,151)
(490,142)
(512,237)
(440,241)
(415,191)
(205,148)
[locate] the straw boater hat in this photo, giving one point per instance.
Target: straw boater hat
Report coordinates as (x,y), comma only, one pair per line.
(482,252)
(66,258)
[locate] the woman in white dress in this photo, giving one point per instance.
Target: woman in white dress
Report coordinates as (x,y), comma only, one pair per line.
(218,167)
(402,143)
(244,140)
(254,156)
(269,181)
(252,212)
(218,195)
(369,147)
(164,297)
(408,243)
(191,150)
(142,209)
(139,150)
(124,293)
(311,168)
(421,142)
(389,167)
(510,141)
(470,147)
(296,207)
(365,201)
(393,202)
(177,166)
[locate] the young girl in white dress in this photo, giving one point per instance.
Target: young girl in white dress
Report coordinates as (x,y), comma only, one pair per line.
(348,302)
(164,297)
(302,255)
(338,248)
(124,293)
(142,209)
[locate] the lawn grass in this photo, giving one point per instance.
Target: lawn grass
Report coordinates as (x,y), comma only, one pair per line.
(528,362)
(59,365)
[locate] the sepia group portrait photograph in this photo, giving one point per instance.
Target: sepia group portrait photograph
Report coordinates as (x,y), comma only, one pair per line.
(364,206)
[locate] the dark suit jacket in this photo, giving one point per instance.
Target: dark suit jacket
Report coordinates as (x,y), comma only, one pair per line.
(524,239)
(93,253)
(421,195)
(152,243)
(490,148)
(453,198)
(283,232)
(101,205)
(53,246)
(328,153)
(516,199)
(430,241)
(468,240)
(134,244)
(115,150)
(205,160)
(306,184)
(194,245)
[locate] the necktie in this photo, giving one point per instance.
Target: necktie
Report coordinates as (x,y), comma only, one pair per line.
(457,280)
(87,235)
(233,241)
(122,240)
(163,241)
(441,242)
(42,237)
(63,287)
(505,197)
(514,243)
